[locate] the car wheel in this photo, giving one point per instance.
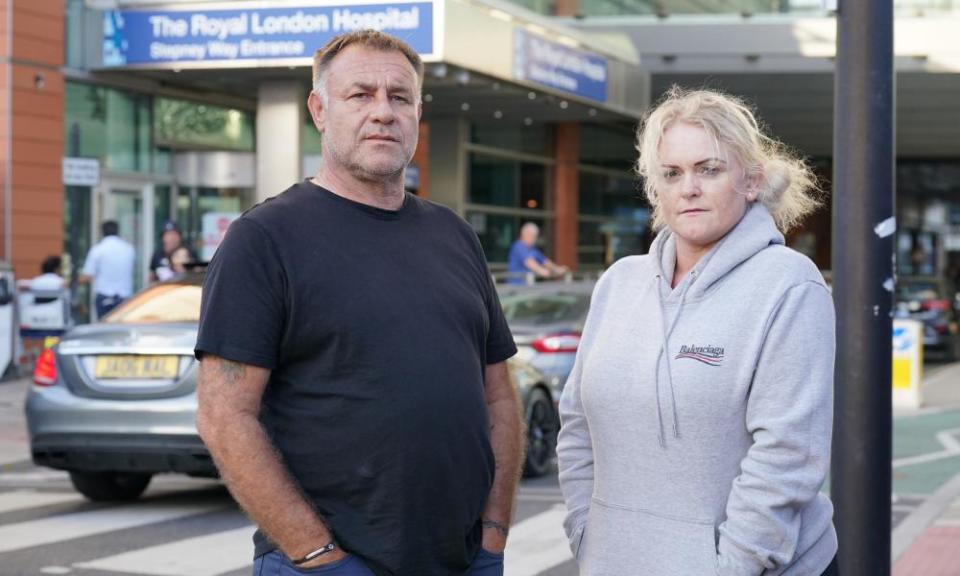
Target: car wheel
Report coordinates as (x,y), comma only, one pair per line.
(110,486)
(541,434)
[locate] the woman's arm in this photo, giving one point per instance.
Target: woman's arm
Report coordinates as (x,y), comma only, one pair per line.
(790,416)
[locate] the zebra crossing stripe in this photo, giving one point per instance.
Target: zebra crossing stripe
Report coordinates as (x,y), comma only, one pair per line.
(25,499)
(537,544)
(79,524)
(201,556)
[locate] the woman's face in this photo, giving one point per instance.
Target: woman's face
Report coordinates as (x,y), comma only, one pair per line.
(700,186)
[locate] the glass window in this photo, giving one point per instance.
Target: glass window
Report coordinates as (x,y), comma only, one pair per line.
(608,195)
(530,139)
(77,214)
(608,146)
(508,183)
(180,123)
(192,204)
(111,125)
(497,232)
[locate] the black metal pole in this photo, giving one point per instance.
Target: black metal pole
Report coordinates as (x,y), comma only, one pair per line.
(863,235)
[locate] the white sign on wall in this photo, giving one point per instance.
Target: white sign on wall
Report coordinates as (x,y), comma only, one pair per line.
(213,229)
(81,171)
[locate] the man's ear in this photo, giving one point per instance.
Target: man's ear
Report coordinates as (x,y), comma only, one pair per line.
(317,110)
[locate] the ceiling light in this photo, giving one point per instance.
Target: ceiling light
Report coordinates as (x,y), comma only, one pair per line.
(532,95)
(428,97)
(465,107)
(563,104)
(528,121)
(498,114)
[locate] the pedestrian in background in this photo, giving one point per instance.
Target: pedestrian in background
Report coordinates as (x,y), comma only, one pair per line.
(109,266)
(696,423)
(171,240)
(525,258)
(49,278)
(353,388)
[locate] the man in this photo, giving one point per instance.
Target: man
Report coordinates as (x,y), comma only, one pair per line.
(160,263)
(526,258)
(49,278)
(109,266)
(353,389)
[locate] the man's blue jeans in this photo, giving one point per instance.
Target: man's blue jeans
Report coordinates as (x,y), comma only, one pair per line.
(276,564)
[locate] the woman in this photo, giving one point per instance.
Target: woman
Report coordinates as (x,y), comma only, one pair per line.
(697,419)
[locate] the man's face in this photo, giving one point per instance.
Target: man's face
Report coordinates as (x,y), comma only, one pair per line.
(171,240)
(529,236)
(370,118)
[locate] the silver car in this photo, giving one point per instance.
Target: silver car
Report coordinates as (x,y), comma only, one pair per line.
(546,321)
(115,403)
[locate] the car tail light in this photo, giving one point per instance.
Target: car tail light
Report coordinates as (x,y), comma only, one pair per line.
(556,343)
(45,370)
(939,305)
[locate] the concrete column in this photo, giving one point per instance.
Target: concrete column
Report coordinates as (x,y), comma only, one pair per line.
(280,109)
(448,162)
(566,193)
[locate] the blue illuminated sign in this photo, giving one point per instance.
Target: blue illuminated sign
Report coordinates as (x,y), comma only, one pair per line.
(175,37)
(555,65)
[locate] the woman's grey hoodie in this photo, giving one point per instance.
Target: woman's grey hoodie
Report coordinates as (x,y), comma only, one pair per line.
(696,422)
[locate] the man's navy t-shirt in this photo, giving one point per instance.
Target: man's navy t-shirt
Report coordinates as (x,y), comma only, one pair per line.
(517,263)
(377,327)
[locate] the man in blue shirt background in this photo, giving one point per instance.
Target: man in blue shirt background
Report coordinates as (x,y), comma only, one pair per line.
(526,258)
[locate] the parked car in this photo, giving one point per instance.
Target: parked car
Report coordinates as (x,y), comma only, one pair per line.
(115,403)
(932,301)
(546,320)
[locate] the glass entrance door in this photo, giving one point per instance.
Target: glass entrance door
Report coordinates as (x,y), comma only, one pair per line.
(130,204)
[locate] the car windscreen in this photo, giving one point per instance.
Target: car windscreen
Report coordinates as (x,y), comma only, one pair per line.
(163,303)
(538,307)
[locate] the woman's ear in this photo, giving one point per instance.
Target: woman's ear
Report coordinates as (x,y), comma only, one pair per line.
(754,180)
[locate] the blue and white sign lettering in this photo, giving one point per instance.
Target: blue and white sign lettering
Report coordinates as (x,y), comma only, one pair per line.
(554,65)
(199,36)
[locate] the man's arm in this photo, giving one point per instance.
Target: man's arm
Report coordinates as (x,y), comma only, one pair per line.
(537,268)
(506,436)
(229,396)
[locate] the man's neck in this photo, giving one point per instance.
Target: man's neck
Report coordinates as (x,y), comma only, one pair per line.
(386,194)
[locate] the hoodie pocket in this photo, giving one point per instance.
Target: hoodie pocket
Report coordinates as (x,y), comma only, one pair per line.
(634,541)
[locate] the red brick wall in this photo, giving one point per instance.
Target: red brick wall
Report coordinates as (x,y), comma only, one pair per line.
(31,124)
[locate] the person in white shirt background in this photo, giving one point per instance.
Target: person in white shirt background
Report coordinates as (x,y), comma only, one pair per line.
(49,278)
(109,266)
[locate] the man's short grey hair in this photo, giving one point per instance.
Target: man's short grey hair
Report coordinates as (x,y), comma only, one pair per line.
(529,226)
(369,38)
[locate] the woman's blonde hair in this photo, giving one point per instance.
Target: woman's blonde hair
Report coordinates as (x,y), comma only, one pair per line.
(785,184)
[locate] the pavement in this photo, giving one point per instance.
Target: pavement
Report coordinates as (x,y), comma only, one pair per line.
(926,479)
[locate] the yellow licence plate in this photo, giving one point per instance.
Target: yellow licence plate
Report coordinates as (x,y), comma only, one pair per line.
(134,367)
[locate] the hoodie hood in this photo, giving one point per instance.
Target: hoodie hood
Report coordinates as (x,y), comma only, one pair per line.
(755,232)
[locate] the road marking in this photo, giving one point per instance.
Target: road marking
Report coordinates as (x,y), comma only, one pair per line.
(201,556)
(55,570)
(79,524)
(23,499)
(38,475)
(951,448)
(537,544)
